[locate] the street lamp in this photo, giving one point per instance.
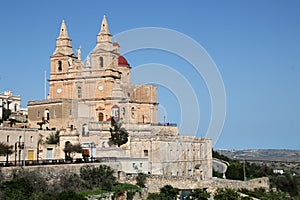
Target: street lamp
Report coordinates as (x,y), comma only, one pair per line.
(18,145)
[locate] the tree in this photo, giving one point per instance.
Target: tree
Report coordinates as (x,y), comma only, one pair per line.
(5,114)
(199,194)
(70,150)
(154,196)
(141,180)
(53,138)
(101,176)
(286,183)
(235,171)
(226,194)
(6,150)
(169,191)
(118,135)
(166,193)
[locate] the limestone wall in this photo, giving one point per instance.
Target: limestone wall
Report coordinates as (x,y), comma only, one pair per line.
(154,183)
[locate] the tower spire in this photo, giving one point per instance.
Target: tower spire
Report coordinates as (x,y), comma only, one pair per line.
(63,42)
(104,26)
(104,34)
(63,30)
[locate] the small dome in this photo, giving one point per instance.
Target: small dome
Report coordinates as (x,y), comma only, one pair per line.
(116,44)
(122,61)
(115,106)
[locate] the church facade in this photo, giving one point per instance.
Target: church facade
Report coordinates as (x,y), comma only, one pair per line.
(84,97)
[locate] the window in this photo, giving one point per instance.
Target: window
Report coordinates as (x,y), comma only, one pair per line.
(132,112)
(79,92)
(100,117)
(47,114)
(59,66)
(85,130)
(115,112)
(146,152)
(101,62)
(124,111)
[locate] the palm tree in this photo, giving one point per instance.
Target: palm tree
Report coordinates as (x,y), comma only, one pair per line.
(6,150)
(53,138)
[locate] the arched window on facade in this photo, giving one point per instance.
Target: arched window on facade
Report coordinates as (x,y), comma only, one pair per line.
(101,62)
(100,117)
(79,92)
(59,68)
(47,115)
(115,112)
(132,112)
(85,131)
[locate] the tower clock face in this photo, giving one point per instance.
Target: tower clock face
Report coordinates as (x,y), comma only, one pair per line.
(59,90)
(100,87)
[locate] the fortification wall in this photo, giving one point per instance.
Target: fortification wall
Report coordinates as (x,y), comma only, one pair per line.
(154,183)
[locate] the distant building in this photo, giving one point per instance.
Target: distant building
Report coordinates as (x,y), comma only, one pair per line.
(9,101)
(278,171)
(12,102)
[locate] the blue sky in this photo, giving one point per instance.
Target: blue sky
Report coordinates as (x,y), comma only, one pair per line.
(255,45)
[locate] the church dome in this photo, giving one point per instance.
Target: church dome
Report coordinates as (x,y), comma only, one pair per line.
(122,61)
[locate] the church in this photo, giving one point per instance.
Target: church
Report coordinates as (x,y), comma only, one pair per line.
(84,96)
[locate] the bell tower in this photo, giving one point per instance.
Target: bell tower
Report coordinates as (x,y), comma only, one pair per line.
(61,60)
(104,53)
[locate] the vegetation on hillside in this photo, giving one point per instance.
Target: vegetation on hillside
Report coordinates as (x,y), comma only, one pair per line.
(199,194)
(141,180)
(32,185)
(284,183)
(167,192)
